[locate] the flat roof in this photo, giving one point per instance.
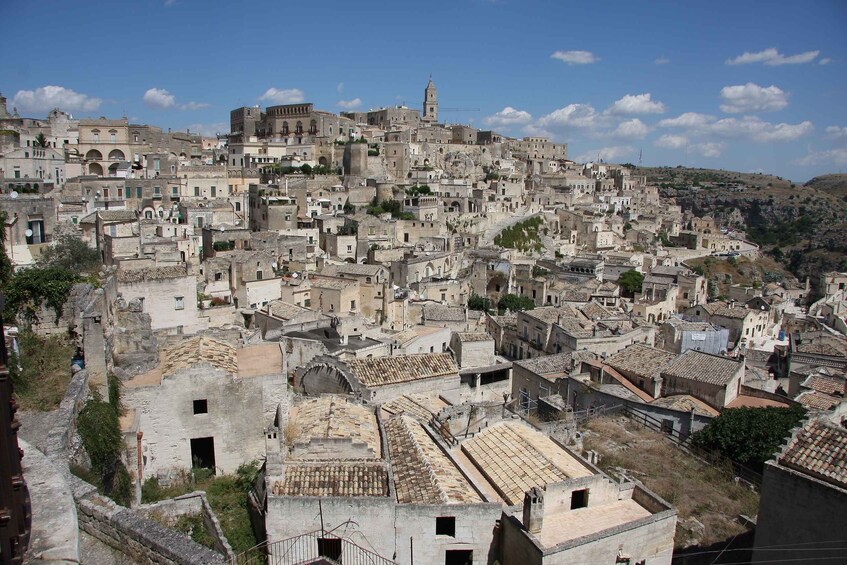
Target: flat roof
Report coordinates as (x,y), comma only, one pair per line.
(561,527)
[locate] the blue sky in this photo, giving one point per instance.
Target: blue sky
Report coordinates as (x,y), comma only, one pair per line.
(749,86)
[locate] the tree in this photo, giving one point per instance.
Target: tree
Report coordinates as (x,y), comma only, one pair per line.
(31,288)
(749,436)
(515,303)
(630,282)
(480,303)
(69,252)
(306,169)
(40,140)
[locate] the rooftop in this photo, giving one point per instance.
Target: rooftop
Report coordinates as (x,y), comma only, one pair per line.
(336,417)
(417,406)
(443,313)
(198,350)
(423,474)
(560,527)
(819,449)
(641,360)
(153,273)
(703,367)
(333,479)
(466,337)
(817,400)
(514,458)
(381,371)
(549,364)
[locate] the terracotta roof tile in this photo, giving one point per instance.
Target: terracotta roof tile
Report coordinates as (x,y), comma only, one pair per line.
(641,360)
(336,417)
(333,479)
(703,367)
(197,350)
(380,371)
(818,449)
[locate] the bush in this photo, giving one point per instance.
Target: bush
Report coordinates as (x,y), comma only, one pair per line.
(480,303)
(70,253)
(98,424)
(630,282)
(515,303)
(31,288)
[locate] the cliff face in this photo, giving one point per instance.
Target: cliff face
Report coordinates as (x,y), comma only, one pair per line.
(802,226)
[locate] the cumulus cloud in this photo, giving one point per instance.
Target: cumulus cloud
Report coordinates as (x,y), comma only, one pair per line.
(637,104)
(508,116)
(829,157)
(635,129)
(708,149)
(532,130)
(836,132)
(686,120)
(572,115)
(773,58)
(283,95)
(45,98)
(671,141)
(661,61)
(161,98)
(753,128)
(575,57)
(354,103)
(751,97)
(608,154)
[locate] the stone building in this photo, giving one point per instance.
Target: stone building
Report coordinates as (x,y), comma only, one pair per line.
(804,496)
(182,411)
(167,293)
(711,378)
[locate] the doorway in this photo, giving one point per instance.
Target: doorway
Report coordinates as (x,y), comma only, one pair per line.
(203,453)
(458,557)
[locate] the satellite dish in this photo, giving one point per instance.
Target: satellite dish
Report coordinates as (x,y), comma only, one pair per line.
(274,265)
(28,233)
(14,194)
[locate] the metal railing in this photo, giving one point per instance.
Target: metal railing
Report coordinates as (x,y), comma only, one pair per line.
(308,548)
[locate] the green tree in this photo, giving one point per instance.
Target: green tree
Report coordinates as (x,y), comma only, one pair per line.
(630,282)
(31,288)
(69,252)
(515,303)
(480,303)
(306,169)
(6,269)
(749,436)
(40,140)
(99,428)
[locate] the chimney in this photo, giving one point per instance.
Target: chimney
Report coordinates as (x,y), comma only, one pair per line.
(533,510)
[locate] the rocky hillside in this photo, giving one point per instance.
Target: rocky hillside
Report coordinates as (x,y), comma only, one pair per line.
(804,227)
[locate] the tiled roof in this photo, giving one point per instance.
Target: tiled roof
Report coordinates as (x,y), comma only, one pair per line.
(640,360)
(333,479)
(200,350)
(817,400)
(515,458)
(153,273)
(442,313)
(336,417)
(547,364)
(414,405)
(686,403)
(353,269)
(466,337)
(423,474)
(828,384)
(546,314)
(723,310)
(332,283)
(703,367)
(379,371)
(819,449)
(286,310)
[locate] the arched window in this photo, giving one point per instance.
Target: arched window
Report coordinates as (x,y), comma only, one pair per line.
(298,128)
(313,127)
(284,128)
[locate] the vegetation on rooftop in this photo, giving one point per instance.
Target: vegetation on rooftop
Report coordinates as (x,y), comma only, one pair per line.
(522,236)
(510,302)
(393,207)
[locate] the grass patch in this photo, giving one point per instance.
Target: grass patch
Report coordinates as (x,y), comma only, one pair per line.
(522,236)
(41,371)
(227,495)
(708,493)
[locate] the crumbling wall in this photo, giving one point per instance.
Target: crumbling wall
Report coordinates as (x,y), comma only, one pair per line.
(133,343)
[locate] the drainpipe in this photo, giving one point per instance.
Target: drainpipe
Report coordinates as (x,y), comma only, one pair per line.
(138,437)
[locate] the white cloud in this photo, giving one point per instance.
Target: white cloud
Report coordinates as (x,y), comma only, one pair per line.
(751,97)
(829,157)
(836,132)
(169,3)
(687,120)
(508,116)
(636,104)
(608,154)
(354,103)
(751,127)
(340,88)
(572,115)
(575,57)
(209,130)
(825,61)
(708,149)
(532,130)
(635,129)
(773,58)
(283,95)
(661,61)
(159,98)
(45,98)
(671,141)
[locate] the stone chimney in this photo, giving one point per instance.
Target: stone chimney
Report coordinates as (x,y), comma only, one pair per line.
(533,510)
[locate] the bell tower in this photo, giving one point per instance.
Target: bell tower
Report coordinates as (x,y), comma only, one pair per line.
(430,103)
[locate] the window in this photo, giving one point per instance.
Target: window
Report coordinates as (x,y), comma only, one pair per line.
(196,191)
(201,406)
(179,303)
(174,191)
(579,499)
(157,191)
(352,305)
(138,191)
(218,276)
(111,138)
(156,165)
(238,206)
(214,191)
(258,275)
(445,526)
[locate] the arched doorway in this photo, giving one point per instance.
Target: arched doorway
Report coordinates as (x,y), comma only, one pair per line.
(95,169)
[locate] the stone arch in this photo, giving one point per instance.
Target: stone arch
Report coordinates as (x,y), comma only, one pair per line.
(116,155)
(113,170)
(93,155)
(324,378)
(95,169)
(322,162)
